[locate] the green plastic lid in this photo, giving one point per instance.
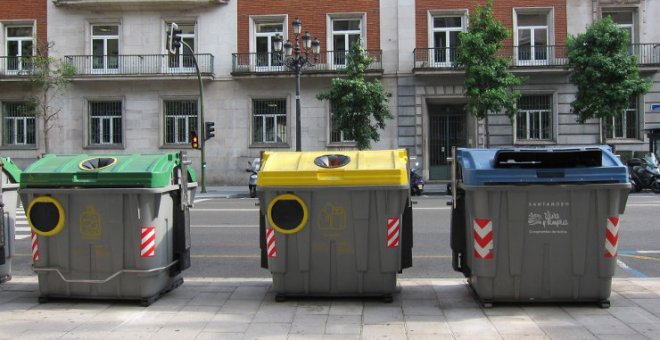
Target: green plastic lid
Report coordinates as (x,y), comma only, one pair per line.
(11,169)
(103,170)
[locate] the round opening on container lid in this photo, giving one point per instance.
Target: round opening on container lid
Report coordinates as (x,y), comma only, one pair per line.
(45,216)
(332,161)
(287,213)
(97,163)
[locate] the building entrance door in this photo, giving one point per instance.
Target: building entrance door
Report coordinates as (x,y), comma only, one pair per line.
(447,128)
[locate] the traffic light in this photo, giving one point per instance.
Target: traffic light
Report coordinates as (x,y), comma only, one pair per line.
(174,38)
(209,132)
(194,140)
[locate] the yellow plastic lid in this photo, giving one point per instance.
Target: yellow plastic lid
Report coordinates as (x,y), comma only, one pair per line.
(334,168)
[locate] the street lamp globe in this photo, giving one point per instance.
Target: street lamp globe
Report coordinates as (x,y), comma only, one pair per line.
(297,26)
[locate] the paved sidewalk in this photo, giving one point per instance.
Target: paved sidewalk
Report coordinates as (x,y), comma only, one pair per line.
(219,308)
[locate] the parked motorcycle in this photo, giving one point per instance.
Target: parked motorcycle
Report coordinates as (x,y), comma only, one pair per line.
(253,169)
(416,182)
(644,173)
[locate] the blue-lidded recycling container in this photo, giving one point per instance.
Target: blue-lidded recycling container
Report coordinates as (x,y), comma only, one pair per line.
(538,224)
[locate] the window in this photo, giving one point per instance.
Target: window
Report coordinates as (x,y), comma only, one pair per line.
(624,124)
(20,47)
(534,118)
(446,30)
(105,47)
(269,121)
(19,123)
(183,58)
(180,120)
(625,20)
(532,38)
(337,136)
(105,123)
(264,33)
(345,33)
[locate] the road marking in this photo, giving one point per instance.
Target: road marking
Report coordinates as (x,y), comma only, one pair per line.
(639,257)
(630,270)
(225,209)
(632,252)
(200,200)
(643,205)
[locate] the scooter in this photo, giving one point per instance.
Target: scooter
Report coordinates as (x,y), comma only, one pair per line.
(416,182)
(644,173)
(253,169)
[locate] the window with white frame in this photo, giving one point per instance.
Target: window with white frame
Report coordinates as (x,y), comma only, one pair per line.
(105,47)
(345,33)
(532,38)
(534,118)
(105,123)
(625,20)
(180,120)
(183,58)
(446,30)
(624,124)
(19,123)
(336,135)
(264,32)
(20,47)
(269,121)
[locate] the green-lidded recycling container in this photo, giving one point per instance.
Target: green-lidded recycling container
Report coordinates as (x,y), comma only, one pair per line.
(11,176)
(335,224)
(109,226)
(538,224)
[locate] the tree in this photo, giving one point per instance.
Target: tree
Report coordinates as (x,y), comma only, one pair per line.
(49,76)
(604,71)
(355,101)
(488,81)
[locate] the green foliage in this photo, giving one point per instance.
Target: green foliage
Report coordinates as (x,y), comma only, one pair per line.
(488,82)
(359,107)
(604,71)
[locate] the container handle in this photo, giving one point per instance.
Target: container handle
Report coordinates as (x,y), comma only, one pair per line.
(123,271)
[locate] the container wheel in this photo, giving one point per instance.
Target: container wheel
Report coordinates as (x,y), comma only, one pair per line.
(604,304)
(280,298)
(388,298)
(656,188)
(486,305)
(44,299)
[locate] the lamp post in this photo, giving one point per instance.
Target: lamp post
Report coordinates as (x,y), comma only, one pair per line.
(296,58)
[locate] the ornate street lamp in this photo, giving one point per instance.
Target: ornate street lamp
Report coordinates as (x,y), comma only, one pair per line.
(296,58)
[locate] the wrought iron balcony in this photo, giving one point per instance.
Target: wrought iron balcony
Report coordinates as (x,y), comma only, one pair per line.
(140,65)
(544,56)
(159,4)
(328,62)
(15,67)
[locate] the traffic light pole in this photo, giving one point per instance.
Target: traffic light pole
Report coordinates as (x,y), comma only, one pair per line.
(202,140)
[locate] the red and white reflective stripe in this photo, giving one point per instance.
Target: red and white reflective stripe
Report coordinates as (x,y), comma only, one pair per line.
(393,232)
(612,237)
(148,242)
(483,238)
(35,248)
(270,243)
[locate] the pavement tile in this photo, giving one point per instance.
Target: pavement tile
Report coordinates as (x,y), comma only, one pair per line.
(267,330)
(604,325)
(276,312)
(314,307)
(567,332)
(228,323)
(650,305)
(417,290)
(550,316)
(343,324)
(618,300)
(176,332)
(636,314)
(431,337)
(210,299)
(346,307)
(466,323)
(382,315)
(391,331)
(521,326)
(309,324)
(249,293)
(219,336)
(44,334)
(426,325)
(117,335)
(341,337)
(240,306)
(650,330)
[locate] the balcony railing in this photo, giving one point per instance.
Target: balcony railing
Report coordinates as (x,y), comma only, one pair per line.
(141,65)
(544,56)
(329,61)
(18,67)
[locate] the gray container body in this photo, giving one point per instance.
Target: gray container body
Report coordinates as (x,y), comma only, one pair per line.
(546,242)
(8,232)
(98,253)
(343,249)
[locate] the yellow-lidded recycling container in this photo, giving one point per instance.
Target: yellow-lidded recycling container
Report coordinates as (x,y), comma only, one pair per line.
(335,224)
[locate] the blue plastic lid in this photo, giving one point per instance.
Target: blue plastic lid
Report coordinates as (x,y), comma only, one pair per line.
(586,164)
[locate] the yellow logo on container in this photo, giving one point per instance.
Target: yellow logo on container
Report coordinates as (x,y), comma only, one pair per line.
(332,217)
(90,224)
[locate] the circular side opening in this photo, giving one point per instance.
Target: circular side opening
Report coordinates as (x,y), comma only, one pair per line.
(46,216)
(287,213)
(332,161)
(97,163)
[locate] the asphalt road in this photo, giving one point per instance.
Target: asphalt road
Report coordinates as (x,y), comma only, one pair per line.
(225,239)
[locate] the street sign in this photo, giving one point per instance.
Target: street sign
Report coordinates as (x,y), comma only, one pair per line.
(655,107)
